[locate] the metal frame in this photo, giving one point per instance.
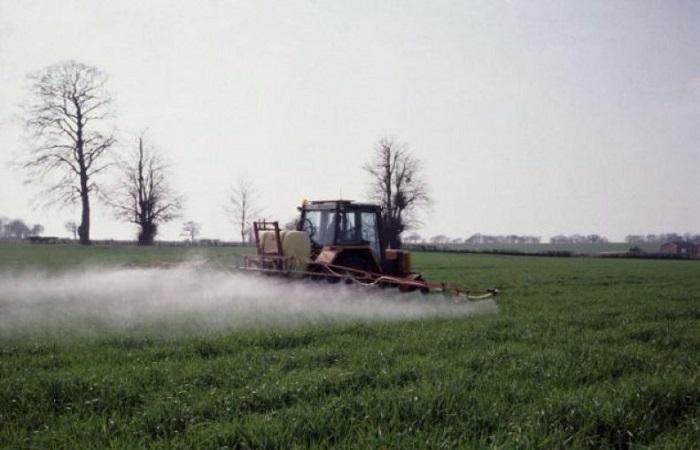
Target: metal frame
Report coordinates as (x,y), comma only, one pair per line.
(279,265)
(275,261)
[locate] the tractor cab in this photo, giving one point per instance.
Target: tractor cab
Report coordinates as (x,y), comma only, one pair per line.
(342,223)
(346,233)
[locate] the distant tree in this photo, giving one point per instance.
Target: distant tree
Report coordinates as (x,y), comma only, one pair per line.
(291,225)
(144,197)
(398,186)
(413,238)
(241,206)
(559,239)
(474,239)
(689,237)
(590,239)
(72,228)
(3,224)
(17,229)
(439,239)
(456,240)
(596,239)
(191,230)
(671,237)
(68,102)
(36,230)
(478,238)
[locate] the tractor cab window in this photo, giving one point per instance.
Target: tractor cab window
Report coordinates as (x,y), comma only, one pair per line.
(370,232)
(353,227)
(349,230)
(321,226)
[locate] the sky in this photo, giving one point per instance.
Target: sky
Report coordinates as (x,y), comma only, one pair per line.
(532,118)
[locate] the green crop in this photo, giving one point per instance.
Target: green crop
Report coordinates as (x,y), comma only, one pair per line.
(583,353)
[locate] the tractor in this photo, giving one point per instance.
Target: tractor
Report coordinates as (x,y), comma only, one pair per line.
(340,240)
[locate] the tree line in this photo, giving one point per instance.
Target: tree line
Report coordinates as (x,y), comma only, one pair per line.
(579,239)
(72,145)
(481,239)
(511,239)
(474,239)
(18,229)
(662,238)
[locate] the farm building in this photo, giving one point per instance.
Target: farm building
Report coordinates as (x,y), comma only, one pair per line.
(681,248)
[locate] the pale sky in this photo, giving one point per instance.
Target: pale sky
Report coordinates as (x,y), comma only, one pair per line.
(530,117)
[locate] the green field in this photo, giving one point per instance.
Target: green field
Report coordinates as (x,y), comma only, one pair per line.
(582,353)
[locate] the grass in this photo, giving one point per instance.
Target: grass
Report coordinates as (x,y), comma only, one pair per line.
(584,353)
(59,257)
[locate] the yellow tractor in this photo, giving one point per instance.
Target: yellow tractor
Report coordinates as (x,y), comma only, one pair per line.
(341,240)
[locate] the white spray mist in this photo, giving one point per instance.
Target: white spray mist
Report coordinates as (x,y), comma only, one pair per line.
(199,300)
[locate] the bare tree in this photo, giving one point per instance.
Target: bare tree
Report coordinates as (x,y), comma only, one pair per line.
(412,238)
(144,196)
(36,230)
(241,206)
(72,228)
(68,104)
(191,230)
(399,187)
(440,239)
(17,229)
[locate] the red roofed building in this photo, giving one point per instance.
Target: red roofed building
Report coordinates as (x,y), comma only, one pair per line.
(681,248)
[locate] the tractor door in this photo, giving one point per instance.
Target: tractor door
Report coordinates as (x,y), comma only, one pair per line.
(320,225)
(358,228)
(370,232)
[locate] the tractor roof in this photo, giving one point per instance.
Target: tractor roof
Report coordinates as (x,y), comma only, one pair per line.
(340,204)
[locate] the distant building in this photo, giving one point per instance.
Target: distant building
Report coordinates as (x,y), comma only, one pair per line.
(681,248)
